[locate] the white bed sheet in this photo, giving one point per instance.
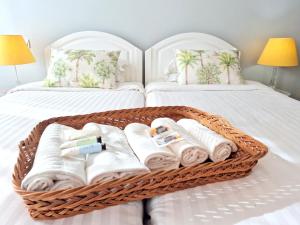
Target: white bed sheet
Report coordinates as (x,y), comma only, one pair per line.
(22,109)
(39,86)
(253,108)
(271,193)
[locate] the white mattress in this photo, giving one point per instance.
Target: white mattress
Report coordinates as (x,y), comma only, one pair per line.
(271,194)
(23,108)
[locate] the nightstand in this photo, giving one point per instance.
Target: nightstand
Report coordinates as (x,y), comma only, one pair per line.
(283,92)
(3,92)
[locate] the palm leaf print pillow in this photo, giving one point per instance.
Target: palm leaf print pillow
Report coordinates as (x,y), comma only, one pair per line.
(82,68)
(208,67)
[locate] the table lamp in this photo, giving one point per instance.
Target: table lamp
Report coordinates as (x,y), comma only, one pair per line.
(14,51)
(279,52)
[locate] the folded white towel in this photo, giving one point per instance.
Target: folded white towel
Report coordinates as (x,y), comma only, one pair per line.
(219,147)
(118,160)
(72,134)
(50,171)
(155,158)
(189,150)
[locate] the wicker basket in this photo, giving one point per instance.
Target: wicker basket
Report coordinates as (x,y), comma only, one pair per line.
(65,203)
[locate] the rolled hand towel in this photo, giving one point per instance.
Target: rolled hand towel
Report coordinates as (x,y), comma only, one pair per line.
(219,147)
(189,150)
(118,160)
(152,156)
(50,171)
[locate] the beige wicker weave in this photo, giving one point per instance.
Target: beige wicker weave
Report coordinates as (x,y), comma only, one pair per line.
(59,204)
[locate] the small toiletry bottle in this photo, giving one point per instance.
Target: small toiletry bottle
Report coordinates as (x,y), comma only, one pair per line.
(84,149)
(80,142)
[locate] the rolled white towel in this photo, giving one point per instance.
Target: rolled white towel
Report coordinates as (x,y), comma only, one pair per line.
(189,150)
(155,158)
(64,182)
(38,183)
(219,147)
(50,171)
(118,160)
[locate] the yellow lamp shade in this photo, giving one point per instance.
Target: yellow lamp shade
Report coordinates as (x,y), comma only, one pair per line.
(14,51)
(279,52)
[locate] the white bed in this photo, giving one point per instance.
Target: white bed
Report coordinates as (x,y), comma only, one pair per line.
(271,194)
(23,107)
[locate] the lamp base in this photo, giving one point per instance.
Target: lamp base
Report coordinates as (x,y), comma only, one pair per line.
(17,78)
(274,78)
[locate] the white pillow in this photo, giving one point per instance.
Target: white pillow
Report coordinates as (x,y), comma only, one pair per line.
(170,72)
(208,67)
(122,65)
(82,68)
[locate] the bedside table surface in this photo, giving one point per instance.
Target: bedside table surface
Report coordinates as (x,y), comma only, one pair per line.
(3,91)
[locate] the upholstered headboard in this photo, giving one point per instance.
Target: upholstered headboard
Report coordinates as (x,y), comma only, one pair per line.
(130,55)
(158,57)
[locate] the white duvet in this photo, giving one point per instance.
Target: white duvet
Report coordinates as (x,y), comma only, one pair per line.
(23,108)
(271,194)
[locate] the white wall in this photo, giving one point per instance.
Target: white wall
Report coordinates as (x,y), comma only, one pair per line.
(245,24)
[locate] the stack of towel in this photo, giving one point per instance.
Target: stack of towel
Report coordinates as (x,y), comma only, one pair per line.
(51,171)
(197,144)
(118,160)
(129,152)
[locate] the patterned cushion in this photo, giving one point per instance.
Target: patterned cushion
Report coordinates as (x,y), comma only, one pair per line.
(208,67)
(82,68)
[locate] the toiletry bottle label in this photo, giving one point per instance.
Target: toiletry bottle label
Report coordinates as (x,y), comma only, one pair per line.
(89,149)
(80,142)
(85,149)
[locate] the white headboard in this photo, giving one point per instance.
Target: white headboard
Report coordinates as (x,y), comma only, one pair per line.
(161,54)
(95,40)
